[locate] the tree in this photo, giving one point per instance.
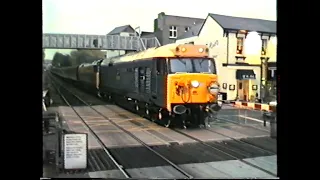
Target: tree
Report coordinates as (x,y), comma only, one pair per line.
(61,60)
(85,56)
(76,57)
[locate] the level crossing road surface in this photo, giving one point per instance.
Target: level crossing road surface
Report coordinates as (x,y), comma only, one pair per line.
(228,149)
(207,163)
(240,115)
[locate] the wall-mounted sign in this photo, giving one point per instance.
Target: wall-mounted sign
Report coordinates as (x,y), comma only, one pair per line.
(213,44)
(248,76)
(75,151)
(241,58)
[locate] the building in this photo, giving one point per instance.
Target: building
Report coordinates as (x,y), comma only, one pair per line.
(125,30)
(244,50)
(167,28)
(145,34)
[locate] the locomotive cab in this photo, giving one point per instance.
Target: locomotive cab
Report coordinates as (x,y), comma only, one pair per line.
(191,85)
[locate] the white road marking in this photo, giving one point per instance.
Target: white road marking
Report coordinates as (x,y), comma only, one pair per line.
(253,119)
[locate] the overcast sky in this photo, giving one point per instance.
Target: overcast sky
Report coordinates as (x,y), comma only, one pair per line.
(101,16)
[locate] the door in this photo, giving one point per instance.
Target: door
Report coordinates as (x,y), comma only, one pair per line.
(240,89)
(158,81)
(246,90)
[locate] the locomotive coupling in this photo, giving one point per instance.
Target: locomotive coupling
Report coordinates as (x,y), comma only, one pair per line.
(179,109)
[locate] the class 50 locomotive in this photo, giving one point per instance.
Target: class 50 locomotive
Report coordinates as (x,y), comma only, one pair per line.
(171,83)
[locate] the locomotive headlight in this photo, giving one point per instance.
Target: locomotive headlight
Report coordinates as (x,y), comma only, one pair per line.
(214,88)
(201,50)
(195,84)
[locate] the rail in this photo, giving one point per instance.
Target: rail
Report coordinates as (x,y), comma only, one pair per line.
(128,133)
(122,170)
(228,154)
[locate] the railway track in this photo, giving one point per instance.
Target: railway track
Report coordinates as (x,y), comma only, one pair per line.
(222,148)
(105,148)
(227,151)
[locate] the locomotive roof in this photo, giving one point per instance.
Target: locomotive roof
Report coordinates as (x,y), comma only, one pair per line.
(162,51)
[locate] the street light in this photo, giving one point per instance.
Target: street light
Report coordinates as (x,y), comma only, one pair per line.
(263,75)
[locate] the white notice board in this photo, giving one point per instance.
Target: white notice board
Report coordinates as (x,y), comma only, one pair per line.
(75,151)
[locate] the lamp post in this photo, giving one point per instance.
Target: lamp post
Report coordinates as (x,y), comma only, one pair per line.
(263,76)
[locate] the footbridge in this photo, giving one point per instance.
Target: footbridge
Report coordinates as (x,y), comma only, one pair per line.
(101,42)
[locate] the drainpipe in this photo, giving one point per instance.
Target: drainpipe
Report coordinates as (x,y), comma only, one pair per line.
(261,81)
(227,48)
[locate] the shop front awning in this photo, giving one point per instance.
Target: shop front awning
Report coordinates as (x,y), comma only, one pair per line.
(272,64)
(245,74)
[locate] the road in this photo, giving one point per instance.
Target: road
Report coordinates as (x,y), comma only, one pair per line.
(243,116)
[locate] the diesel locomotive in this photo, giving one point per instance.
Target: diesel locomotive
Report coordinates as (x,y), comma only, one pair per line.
(168,84)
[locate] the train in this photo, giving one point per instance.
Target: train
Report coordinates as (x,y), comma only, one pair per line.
(170,84)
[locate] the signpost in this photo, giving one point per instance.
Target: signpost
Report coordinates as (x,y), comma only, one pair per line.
(75,151)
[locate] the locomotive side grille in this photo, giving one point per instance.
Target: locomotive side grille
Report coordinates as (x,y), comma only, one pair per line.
(136,80)
(148,81)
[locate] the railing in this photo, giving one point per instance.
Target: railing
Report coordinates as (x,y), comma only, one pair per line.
(103,42)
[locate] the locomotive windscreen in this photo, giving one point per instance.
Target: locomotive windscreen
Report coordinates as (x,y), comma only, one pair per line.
(192,65)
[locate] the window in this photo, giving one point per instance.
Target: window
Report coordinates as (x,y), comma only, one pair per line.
(173,32)
(192,65)
(264,47)
(186,29)
(240,86)
(240,45)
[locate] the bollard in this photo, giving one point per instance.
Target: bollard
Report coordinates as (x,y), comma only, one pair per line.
(273,127)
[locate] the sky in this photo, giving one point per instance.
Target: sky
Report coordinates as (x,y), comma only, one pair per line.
(101,16)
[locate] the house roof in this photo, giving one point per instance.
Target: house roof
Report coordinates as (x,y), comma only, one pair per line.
(194,31)
(147,34)
(239,23)
(119,30)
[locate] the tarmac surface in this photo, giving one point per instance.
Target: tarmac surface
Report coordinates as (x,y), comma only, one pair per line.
(140,162)
(243,116)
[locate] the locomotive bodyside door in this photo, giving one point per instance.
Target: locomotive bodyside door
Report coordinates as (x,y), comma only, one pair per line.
(158,81)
